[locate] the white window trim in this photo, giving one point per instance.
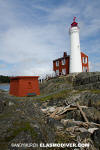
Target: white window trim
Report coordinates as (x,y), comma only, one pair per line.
(57,72)
(63,62)
(64,71)
(84,60)
(85,68)
(57,63)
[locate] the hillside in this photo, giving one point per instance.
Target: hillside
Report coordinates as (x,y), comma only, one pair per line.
(67,111)
(55,84)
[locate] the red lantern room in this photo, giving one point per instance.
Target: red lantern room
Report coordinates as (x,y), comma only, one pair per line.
(74,24)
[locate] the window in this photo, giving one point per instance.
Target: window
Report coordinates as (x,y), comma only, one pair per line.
(64,71)
(84,69)
(57,63)
(63,62)
(84,60)
(57,72)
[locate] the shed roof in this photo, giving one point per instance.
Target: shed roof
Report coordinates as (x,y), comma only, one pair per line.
(19,77)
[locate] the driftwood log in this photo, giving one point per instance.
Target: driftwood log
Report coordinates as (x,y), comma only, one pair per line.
(59,114)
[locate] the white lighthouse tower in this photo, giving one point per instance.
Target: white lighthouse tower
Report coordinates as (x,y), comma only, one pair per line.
(75,54)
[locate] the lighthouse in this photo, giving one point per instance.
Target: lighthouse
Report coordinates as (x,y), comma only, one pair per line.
(75,54)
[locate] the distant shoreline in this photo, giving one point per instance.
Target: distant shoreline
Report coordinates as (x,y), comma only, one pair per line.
(4,86)
(4,83)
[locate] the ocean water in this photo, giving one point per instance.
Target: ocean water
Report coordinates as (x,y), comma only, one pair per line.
(5,87)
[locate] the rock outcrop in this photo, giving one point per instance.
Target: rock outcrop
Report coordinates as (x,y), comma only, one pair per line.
(87,80)
(61,114)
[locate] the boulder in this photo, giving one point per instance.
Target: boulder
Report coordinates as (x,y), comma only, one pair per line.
(87,80)
(84,135)
(96,138)
(92,114)
(1,106)
(75,114)
(55,123)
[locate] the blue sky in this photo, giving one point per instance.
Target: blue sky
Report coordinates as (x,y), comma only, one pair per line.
(35,32)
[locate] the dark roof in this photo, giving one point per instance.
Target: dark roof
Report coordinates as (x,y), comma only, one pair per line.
(66,57)
(84,54)
(19,77)
(62,58)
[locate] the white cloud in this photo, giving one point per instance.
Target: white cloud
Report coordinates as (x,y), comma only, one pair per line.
(24,43)
(31,46)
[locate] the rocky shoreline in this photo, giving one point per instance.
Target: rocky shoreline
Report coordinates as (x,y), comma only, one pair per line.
(57,118)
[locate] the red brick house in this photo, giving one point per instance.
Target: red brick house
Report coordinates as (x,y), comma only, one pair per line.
(85,65)
(61,65)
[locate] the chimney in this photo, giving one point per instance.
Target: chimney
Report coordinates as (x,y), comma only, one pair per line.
(65,54)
